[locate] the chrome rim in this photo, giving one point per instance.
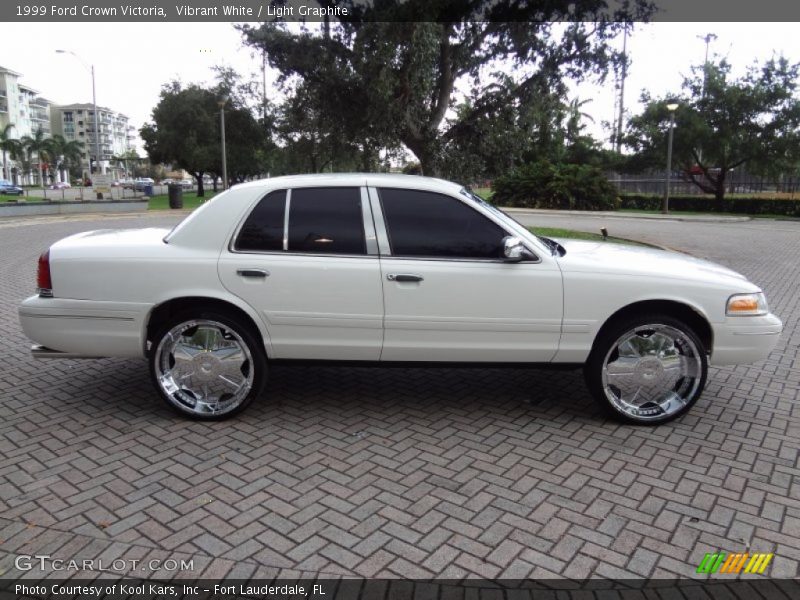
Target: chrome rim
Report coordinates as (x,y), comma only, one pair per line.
(204,367)
(652,371)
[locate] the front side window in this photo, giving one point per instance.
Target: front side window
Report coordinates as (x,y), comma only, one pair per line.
(427,224)
(263,229)
(326,221)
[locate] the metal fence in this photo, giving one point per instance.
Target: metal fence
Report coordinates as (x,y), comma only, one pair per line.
(787,186)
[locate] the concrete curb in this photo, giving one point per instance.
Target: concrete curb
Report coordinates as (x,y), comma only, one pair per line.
(617,215)
(23,221)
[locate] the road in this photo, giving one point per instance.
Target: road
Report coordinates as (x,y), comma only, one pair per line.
(404,472)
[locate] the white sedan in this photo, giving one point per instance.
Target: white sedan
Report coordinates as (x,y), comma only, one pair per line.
(379,269)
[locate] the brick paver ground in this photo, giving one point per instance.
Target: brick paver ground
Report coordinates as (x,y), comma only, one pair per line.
(403,473)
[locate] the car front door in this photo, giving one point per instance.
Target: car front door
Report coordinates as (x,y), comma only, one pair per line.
(307,260)
(449,295)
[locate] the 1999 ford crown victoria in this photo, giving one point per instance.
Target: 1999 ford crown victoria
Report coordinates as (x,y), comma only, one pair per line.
(386,269)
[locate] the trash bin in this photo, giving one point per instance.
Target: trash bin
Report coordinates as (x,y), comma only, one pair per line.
(148,190)
(175,191)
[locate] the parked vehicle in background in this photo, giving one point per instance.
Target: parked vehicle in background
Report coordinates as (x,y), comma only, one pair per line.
(126,184)
(6,187)
(386,269)
(60,185)
(141,182)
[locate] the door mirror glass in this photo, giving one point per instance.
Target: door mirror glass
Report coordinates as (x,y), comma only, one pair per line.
(514,250)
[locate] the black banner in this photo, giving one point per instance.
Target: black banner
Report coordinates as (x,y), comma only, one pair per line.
(31,11)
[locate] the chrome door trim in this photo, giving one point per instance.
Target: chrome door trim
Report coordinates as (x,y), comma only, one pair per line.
(286,219)
(380,223)
(370,235)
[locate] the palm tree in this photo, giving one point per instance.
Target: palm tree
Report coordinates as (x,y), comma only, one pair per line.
(39,145)
(7,143)
(63,152)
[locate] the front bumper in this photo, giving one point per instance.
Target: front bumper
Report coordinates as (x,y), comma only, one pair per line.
(742,340)
(83,328)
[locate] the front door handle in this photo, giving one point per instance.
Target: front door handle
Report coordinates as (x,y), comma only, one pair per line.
(252,273)
(403,277)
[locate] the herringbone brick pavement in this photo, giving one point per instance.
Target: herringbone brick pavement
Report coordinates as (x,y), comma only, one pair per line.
(415,473)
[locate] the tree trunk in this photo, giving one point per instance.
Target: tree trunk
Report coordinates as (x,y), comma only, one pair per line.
(5,165)
(719,192)
(200,191)
(423,150)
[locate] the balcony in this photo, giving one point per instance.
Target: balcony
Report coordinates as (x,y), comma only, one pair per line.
(39,115)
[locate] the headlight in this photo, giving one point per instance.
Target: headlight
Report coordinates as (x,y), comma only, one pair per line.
(747,305)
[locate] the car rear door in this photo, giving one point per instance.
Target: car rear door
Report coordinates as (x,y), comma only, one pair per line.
(307,260)
(449,295)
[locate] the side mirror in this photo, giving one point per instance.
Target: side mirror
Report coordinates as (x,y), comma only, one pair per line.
(514,250)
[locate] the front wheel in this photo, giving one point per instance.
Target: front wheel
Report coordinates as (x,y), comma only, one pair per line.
(647,369)
(207,366)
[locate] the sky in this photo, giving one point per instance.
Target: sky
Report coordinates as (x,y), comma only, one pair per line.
(133,60)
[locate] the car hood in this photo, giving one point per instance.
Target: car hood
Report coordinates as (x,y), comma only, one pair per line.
(623,259)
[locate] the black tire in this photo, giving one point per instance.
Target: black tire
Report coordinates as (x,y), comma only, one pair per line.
(233,336)
(628,346)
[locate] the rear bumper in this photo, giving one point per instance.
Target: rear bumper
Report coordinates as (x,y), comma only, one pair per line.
(67,328)
(742,340)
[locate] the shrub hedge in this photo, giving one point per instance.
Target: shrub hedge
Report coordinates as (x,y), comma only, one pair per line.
(543,184)
(747,206)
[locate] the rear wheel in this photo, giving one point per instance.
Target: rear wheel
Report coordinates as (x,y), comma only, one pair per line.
(647,369)
(207,365)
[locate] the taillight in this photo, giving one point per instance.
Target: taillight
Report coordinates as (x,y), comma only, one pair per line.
(44,285)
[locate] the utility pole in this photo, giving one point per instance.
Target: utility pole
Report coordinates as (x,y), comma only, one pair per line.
(618,137)
(707,38)
(264,82)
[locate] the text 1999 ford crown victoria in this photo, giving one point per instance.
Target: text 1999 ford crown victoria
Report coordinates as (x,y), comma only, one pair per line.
(388,269)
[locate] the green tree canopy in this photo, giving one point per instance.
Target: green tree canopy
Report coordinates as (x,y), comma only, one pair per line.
(382,77)
(185,131)
(38,144)
(723,123)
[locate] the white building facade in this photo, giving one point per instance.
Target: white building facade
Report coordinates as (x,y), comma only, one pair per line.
(22,107)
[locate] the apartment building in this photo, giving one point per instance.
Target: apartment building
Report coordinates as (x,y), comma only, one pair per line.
(77,122)
(23,107)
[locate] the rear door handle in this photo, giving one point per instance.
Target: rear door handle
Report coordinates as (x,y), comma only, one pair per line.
(403,277)
(252,273)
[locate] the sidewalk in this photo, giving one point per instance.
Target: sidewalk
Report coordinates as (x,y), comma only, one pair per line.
(711,218)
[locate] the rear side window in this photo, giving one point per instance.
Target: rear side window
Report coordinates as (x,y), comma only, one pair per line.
(428,224)
(326,220)
(263,229)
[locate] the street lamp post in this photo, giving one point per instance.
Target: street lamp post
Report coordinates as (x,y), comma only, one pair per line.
(672,107)
(90,68)
(221,103)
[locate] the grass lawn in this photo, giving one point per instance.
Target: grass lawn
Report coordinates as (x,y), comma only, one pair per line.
(14,198)
(190,201)
(557,232)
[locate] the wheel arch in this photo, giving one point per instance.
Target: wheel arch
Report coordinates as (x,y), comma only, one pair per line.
(167,309)
(690,315)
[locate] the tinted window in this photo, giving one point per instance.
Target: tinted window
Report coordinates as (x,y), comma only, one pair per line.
(326,220)
(263,229)
(429,224)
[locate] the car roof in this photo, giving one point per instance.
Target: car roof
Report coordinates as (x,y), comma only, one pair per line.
(356,179)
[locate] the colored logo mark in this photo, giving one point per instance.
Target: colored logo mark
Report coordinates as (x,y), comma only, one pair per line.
(722,562)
